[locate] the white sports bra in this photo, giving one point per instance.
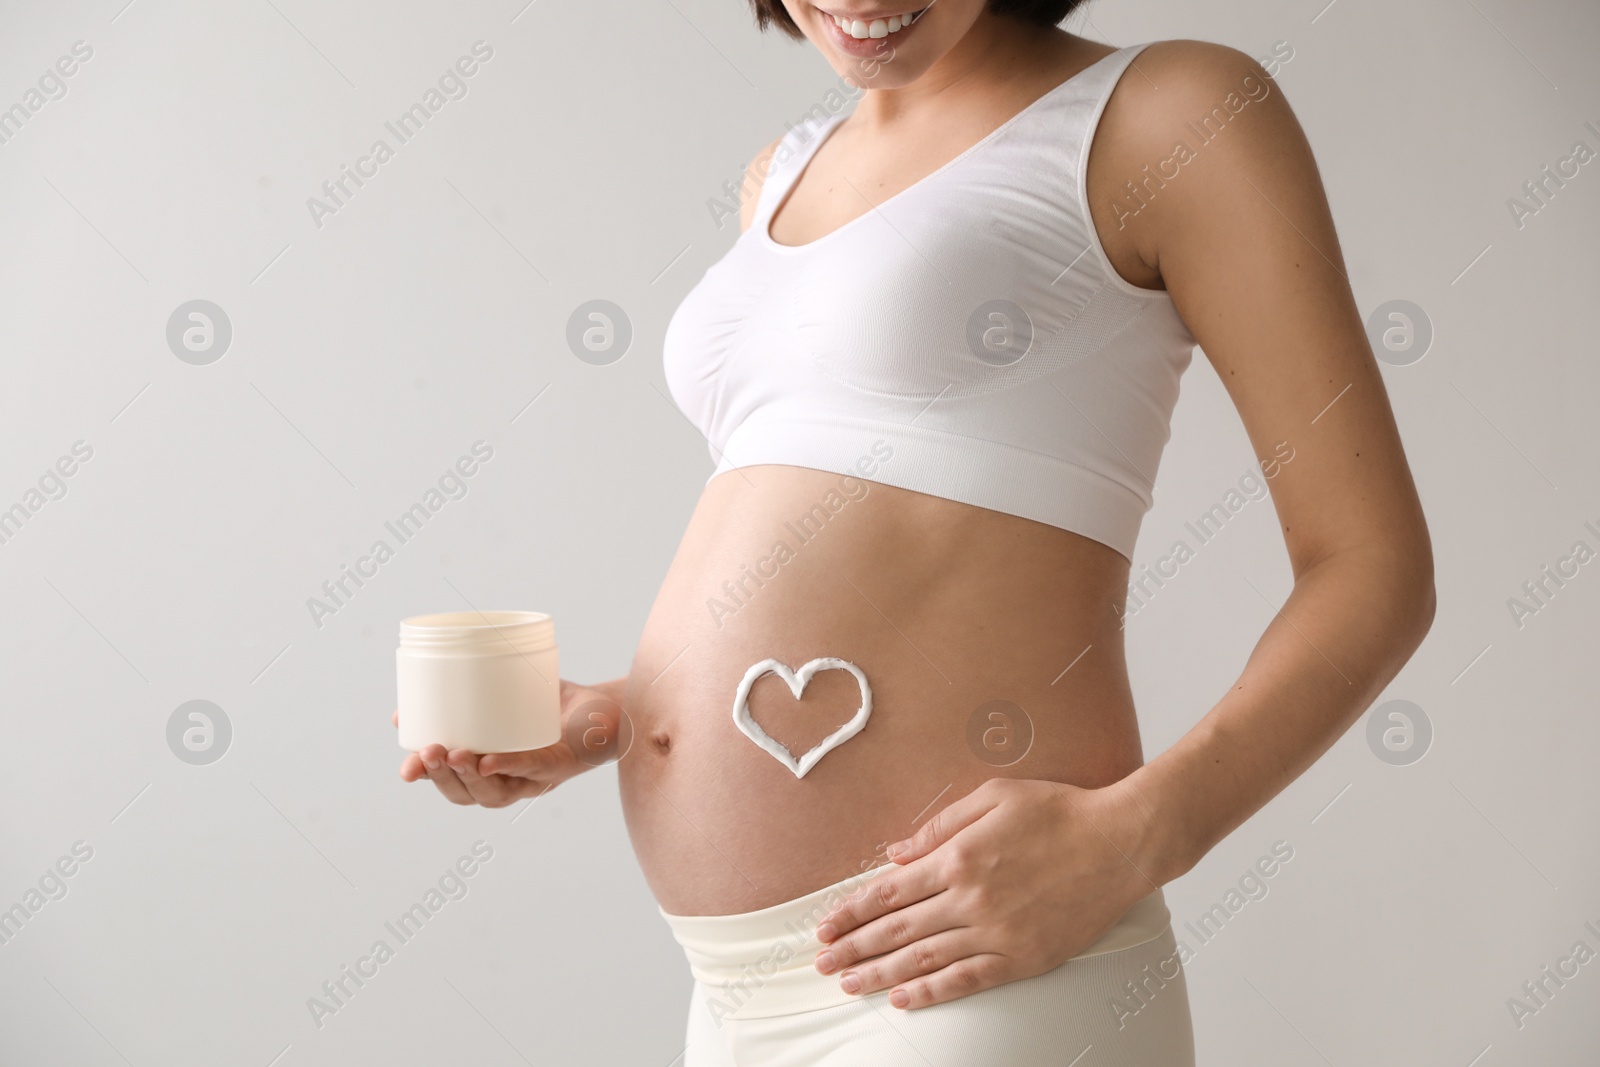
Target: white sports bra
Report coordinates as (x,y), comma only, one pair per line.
(967,338)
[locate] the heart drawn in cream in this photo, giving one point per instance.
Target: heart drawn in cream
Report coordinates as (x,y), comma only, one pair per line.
(796,681)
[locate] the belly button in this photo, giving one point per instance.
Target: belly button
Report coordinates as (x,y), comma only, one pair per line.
(662,740)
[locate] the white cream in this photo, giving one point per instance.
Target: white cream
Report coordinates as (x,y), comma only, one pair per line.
(796,681)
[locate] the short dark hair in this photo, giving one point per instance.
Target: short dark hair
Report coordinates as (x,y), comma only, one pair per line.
(1038,12)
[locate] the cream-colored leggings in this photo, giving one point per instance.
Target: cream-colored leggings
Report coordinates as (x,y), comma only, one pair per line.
(759,1002)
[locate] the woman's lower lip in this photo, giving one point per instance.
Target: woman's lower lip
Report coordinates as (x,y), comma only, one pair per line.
(867,47)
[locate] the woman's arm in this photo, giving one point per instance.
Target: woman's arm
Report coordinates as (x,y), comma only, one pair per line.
(1244,241)
(1019,876)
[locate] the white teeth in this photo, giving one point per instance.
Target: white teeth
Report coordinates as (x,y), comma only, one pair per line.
(876,28)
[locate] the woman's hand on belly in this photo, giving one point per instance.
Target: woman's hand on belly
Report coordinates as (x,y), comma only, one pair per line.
(591,729)
(1008,882)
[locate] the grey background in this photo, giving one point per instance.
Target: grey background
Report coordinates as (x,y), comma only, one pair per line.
(369,354)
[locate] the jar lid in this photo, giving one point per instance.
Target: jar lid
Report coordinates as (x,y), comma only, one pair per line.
(485,632)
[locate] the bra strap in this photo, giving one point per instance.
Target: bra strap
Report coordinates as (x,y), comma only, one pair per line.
(795,153)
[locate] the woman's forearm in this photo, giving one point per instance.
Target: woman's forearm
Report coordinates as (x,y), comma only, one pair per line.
(613,689)
(1350,624)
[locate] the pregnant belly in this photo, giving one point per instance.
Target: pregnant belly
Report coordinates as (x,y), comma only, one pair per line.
(990,643)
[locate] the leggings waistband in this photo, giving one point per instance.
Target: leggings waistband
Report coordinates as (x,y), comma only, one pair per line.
(760,964)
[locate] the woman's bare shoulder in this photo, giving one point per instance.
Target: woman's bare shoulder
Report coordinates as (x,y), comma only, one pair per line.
(1182,107)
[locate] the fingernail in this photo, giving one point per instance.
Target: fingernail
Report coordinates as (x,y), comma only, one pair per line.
(899,998)
(826,963)
(897,849)
(431,764)
(826,933)
(850,983)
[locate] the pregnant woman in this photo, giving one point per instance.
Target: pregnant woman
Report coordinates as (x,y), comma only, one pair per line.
(936,372)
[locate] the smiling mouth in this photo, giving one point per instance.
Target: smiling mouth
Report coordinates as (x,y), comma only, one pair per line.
(866,29)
